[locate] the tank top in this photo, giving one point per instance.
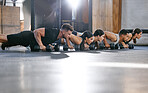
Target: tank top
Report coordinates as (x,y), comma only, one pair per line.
(51,35)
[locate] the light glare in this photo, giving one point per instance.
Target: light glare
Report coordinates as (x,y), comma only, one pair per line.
(74,3)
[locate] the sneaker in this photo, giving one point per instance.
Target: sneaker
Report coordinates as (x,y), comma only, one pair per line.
(3,46)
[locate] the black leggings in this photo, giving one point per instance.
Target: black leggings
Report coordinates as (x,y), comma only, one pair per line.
(23,38)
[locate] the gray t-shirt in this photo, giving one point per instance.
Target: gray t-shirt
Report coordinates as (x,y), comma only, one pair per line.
(110,42)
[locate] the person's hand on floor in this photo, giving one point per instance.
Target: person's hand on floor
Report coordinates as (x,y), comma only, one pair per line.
(107,45)
(125,46)
(43,48)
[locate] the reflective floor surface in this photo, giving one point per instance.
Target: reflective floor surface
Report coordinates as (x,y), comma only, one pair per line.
(106,71)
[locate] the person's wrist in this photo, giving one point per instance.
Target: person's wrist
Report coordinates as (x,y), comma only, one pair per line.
(41,45)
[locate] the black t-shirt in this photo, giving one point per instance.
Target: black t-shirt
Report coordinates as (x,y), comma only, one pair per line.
(51,35)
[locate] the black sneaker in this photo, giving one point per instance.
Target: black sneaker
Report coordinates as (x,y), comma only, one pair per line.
(3,46)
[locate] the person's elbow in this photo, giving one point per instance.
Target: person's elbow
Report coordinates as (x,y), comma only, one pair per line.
(36,33)
(39,32)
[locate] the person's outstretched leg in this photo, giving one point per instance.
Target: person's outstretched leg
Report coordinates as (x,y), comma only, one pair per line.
(3,38)
(22,38)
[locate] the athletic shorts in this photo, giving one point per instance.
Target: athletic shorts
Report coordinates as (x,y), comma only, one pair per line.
(23,38)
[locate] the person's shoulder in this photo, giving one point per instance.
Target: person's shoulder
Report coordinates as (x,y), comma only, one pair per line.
(130,35)
(108,32)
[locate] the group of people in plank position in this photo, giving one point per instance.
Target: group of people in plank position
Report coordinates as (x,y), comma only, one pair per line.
(43,37)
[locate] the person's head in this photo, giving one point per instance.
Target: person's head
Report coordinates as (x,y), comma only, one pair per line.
(124,34)
(99,34)
(137,33)
(66,29)
(87,37)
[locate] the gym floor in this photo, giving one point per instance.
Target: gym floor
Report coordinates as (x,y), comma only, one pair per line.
(106,71)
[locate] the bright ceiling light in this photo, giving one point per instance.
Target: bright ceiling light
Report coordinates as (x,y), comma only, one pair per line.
(74,3)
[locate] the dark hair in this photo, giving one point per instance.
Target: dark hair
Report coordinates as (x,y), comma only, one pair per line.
(123,32)
(136,31)
(99,32)
(67,27)
(87,34)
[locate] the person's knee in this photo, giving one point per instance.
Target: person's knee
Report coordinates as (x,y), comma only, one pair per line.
(3,38)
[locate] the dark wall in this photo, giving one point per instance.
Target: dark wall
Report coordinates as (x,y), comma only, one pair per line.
(53,13)
(82,19)
(66,11)
(27,14)
(46,13)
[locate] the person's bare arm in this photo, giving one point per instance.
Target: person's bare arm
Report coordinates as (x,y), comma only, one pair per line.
(97,44)
(111,36)
(106,43)
(74,39)
(38,33)
(68,42)
(124,45)
(86,46)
